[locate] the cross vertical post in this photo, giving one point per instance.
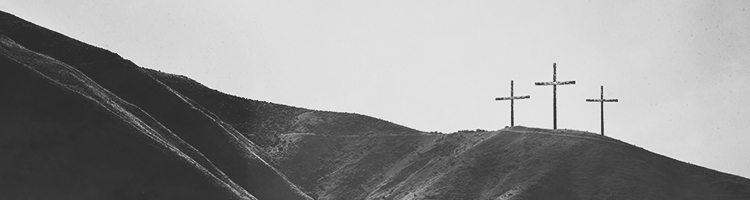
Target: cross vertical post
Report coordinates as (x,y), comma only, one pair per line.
(554,96)
(554,84)
(511,98)
(511,103)
(601,100)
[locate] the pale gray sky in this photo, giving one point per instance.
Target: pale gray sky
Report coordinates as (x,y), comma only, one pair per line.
(681,69)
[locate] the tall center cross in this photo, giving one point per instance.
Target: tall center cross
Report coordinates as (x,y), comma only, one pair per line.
(602,100)
(554,84)
(511,98)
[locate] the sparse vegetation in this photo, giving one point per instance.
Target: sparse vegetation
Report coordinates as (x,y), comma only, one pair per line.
(263,122)
(472,131)
(111,127)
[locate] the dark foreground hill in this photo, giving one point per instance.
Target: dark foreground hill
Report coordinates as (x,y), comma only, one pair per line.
(80,122)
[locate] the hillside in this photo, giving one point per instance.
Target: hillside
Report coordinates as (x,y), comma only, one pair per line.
(112,158)
(80,122)
(264,122)
(513,163)
(387,162)
(65,137)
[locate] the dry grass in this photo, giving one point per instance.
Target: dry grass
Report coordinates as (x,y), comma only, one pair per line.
(515,163)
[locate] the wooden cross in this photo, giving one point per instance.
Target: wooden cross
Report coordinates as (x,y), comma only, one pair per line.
(511,98)
(602,100)
(554,84)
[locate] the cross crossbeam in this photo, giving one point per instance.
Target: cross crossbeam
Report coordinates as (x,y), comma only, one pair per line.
(554,84)
(511,98)
(602,100)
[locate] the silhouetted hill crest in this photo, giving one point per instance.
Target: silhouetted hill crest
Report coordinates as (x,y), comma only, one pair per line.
(212,156)
(86,124)
(264,121)
(67,135)
(513,163)
(50,43)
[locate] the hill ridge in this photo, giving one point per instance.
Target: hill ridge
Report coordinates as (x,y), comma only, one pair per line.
(74,85)
(103,69)
(518,162)
(84,123)
(250,116)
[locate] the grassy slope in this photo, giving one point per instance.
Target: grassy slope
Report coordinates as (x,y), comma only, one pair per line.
(355,165)
(263,122)
(231,152)
(515,163)
(65,137)
(349,156)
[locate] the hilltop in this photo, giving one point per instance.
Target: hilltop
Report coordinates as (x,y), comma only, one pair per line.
(80,122)
(513,163)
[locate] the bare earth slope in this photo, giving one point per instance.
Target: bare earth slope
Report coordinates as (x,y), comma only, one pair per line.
(216,146)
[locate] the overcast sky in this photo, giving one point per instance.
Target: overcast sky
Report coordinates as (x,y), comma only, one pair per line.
(681,69)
